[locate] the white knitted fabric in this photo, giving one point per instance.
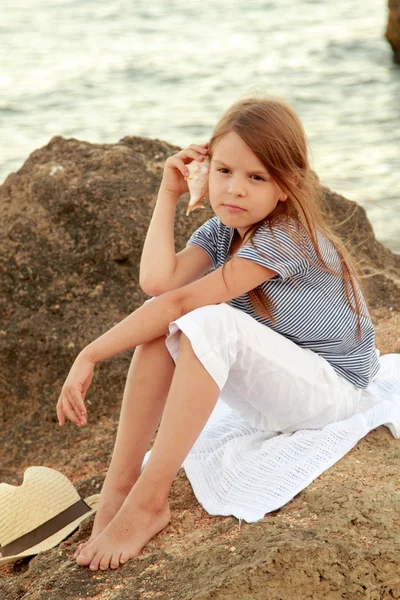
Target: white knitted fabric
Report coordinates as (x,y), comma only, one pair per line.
(238,470)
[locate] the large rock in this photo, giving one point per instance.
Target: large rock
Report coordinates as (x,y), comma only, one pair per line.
(392,33)
(73,221)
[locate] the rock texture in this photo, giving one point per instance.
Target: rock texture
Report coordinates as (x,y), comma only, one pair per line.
(73,221)
(392,33)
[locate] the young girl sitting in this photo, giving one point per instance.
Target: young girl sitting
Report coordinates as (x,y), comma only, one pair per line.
(279,330)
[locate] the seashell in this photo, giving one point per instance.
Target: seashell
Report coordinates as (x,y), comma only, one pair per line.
(197,183)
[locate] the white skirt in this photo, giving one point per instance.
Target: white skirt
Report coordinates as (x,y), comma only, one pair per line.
(272,383)
(283,416)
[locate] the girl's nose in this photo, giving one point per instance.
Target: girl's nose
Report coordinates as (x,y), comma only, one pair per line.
(236,188)
(236,191)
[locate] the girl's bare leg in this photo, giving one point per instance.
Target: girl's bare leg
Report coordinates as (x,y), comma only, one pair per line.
(145,512)
(146,389)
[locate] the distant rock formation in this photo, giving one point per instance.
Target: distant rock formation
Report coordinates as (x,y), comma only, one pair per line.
(393,29)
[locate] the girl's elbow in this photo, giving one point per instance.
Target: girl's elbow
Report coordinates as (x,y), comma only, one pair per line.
(149,288)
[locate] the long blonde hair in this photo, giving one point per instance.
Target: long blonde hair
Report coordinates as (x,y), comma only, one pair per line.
(274,132)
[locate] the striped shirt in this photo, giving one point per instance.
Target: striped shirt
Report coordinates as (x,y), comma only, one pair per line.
(309,305)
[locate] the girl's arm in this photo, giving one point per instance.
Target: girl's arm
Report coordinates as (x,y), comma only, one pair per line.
(151,321)
(145,324)
(158,261)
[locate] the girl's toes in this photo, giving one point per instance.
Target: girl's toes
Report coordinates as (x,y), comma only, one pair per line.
(84,558)
(114,563)
(79,549)
(124,558)
(95,562)
(105,561)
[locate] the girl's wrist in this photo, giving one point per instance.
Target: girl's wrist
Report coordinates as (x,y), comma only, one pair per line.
(88,354)
(165,193)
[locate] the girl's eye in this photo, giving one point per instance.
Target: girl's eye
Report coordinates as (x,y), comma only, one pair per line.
(223,170)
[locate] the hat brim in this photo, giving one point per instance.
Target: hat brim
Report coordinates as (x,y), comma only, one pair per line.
(56,538)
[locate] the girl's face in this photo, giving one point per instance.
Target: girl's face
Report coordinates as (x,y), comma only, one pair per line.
(238,178)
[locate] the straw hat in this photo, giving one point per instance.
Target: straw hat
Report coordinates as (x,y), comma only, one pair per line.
(37,515)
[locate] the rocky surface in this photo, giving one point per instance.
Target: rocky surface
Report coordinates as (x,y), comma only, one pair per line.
(74,218)
(392,33)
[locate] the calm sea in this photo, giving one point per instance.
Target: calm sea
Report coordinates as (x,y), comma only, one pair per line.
(99,70)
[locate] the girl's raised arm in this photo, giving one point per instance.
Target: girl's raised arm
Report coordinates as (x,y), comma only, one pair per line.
(158,260)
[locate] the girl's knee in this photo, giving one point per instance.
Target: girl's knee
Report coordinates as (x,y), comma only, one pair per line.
(218,312)
(212,332)
(218,320)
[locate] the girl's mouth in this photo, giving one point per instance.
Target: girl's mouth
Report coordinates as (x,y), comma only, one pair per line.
(234,208)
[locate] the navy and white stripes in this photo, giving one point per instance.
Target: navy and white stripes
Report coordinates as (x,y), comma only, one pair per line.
(310,306)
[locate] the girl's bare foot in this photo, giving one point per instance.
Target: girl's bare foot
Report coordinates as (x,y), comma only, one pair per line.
(125,536)
(108,508)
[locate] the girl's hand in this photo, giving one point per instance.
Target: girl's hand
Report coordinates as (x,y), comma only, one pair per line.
(71,400)
(173,181)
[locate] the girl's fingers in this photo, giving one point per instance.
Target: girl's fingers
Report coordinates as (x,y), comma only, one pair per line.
(75,400)
(71,401)
(60,414)
(189,154)
(68,410)
(67,407)
(202,149)
(180,165)
(72,410)
(186,156)
(72,416)
(77,406)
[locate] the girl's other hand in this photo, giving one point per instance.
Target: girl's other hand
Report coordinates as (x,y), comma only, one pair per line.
(175,171)
(71,400)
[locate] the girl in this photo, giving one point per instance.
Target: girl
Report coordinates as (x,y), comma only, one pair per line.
(279,329)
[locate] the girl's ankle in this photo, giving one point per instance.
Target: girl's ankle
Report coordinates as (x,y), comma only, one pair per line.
(150,498)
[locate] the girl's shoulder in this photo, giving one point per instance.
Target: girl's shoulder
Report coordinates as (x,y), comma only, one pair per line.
(287,230)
